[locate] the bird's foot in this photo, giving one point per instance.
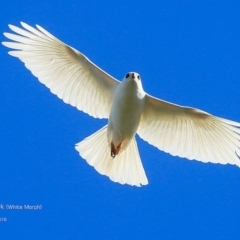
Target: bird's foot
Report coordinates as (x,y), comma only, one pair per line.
(115,151)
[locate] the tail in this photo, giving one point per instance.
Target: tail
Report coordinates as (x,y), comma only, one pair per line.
(125,168)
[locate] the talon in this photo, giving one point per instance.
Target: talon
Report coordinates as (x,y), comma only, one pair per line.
(115,151)
(113,154)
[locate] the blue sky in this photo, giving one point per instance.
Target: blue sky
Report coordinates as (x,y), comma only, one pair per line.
(187,52)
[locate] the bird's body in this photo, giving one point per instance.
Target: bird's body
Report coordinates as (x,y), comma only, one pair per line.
(112,150)
(125,112)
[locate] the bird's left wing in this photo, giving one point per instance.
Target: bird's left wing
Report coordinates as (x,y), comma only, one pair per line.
(190,133)
(65,71)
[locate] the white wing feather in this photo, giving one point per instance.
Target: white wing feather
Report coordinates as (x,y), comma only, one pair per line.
(190,133)
(65,71)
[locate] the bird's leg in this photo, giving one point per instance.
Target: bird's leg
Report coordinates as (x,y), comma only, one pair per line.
(115,151)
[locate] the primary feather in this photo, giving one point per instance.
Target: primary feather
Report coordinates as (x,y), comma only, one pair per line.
(189,132)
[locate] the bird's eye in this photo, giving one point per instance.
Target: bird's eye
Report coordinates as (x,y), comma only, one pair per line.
(138,77)
(127,75)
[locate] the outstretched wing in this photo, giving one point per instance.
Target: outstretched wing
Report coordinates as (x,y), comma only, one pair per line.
(65,71)
(190,133)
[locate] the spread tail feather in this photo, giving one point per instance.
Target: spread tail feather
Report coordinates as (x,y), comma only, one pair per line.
(125,168)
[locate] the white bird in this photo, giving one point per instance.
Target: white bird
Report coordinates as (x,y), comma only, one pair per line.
(181,131)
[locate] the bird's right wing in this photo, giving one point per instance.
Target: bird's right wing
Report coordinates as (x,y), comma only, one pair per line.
(189,132)
(65,71)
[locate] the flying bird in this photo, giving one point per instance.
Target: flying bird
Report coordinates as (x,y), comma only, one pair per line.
(181,131)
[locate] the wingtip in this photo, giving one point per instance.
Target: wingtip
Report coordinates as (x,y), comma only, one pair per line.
(24,25)
(4,44)
(12,27)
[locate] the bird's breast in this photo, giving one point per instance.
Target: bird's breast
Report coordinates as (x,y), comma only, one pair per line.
(125,113)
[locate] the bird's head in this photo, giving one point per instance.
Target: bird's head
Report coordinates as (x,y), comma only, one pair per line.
(133,79)
(133,76)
